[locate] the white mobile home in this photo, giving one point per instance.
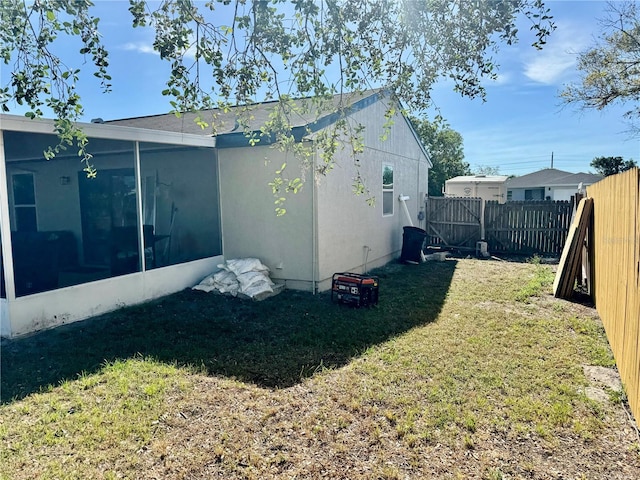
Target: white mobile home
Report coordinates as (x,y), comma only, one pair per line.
(487,187)
(169,204)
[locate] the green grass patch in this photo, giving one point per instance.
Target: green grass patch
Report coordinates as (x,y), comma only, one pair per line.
(106,416)
(592,341)
(457,355)
(538,283)
(274,343)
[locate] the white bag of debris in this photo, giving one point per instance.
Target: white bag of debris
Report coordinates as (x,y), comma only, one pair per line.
(221,281)
(244,265)
(254,284)
(247,277)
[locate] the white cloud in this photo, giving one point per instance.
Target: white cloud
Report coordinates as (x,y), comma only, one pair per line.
(140,47)
(556,61)
(503,78)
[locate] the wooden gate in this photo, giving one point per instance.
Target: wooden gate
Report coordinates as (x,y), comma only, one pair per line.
(527,227)
(454,222)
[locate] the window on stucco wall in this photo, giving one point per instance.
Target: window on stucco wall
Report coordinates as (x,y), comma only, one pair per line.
(387,189)
(534,194)
(24,202)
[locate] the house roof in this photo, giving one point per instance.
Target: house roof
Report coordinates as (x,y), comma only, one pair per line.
(552,177)
(577,178)
(97,132)
(478,179)
(305,116)
(254,115)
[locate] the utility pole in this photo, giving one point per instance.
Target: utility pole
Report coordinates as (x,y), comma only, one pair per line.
(551,159)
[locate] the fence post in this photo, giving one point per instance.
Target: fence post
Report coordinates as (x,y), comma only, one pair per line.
(482,236)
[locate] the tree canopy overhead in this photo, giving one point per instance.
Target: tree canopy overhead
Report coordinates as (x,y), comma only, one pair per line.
(446,151)
(610,70)
(237,52)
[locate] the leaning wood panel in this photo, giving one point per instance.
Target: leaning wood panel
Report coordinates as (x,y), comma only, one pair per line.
(570,259)
(615,266)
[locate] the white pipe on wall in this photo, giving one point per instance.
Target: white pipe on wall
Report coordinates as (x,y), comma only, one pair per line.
(403,200)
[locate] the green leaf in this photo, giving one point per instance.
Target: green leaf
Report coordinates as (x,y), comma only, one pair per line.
(284,165)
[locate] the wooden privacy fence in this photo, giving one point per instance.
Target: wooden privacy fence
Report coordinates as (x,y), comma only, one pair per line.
(614,256)
(513,227)
(527,227)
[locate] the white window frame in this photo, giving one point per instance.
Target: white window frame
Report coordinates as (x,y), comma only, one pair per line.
(387,190)
(17,206)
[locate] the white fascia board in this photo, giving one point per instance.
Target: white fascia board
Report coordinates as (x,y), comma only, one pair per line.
(115,132)
(456,180)
(550,185)
(568,185)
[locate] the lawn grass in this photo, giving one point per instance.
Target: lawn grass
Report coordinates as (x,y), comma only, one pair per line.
(274,343)
(465,369)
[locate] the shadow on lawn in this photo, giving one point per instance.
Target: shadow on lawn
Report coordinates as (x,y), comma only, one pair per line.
(273,343)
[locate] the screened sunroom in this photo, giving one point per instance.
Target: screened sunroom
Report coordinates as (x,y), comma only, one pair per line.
(148,224)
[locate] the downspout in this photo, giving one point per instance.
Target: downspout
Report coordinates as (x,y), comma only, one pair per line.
(403,200)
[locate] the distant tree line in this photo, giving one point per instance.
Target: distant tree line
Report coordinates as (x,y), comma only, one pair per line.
(606,166)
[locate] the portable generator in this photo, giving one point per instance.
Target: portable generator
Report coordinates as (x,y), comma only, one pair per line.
(354,289)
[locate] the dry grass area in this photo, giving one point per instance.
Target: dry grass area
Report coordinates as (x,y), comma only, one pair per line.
(489,386)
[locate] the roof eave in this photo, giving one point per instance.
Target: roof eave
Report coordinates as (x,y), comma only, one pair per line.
(99,130)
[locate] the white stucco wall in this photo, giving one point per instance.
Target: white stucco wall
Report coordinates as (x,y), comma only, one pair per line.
(349,230)
(345,223)
(555,193)
(565,194)
(5,324)
(250,227)
(78,302)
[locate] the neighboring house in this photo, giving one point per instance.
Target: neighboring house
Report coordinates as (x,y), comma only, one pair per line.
(171,203)
(549,184)
(487,187)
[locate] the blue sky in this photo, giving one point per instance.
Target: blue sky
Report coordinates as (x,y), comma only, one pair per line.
(523,121)
(516,130)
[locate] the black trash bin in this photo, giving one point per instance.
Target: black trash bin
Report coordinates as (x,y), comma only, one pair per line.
(412,242)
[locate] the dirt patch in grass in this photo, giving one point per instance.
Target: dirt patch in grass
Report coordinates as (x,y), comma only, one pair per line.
(455,378)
